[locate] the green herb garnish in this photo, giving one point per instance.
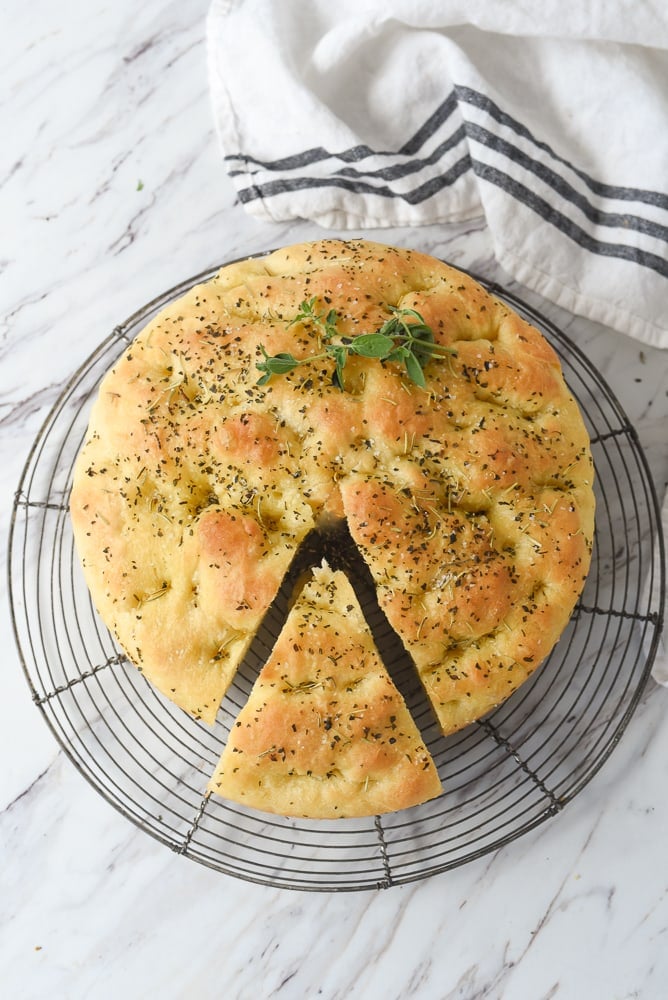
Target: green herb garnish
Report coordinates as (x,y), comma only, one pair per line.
(404,338)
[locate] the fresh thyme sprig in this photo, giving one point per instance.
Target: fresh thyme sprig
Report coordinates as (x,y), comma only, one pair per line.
(404,338)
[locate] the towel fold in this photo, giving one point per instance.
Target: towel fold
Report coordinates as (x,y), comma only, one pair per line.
(549,120)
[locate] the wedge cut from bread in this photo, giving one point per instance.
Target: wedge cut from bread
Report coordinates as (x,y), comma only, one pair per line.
(325,733)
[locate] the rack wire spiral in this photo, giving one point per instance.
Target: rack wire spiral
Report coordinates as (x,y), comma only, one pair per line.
(502,776)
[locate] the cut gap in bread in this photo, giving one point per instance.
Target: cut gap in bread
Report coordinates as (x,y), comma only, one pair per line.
(332,542)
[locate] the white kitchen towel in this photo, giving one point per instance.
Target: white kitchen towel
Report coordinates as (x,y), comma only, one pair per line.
(549,119)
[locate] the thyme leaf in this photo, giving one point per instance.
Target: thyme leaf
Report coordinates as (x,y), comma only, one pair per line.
(279,364)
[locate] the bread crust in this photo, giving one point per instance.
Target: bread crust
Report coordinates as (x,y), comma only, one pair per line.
(471,499)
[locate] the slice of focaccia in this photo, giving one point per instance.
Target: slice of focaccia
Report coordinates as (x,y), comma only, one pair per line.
(325,733)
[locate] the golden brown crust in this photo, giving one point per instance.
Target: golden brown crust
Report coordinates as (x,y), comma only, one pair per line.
(471,500)
(325,733)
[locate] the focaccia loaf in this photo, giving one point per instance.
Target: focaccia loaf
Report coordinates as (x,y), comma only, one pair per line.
(325,733)
(471,498)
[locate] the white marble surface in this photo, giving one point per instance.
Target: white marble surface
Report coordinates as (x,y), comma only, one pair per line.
(111,190)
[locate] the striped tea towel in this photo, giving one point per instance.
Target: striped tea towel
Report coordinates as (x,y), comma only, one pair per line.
(550,120)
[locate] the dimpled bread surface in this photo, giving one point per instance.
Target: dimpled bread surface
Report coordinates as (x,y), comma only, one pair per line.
(471,499)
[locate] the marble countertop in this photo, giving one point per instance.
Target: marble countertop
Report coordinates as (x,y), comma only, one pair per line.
(112,190)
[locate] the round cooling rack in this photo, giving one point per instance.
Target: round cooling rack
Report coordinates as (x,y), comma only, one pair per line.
(502,776)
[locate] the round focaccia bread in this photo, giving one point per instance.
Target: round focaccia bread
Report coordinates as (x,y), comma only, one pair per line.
(470,498)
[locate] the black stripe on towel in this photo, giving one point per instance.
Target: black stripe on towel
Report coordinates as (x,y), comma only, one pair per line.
(399,170)
(418,194)
(308,156)
(563,188)
(478,100)
(395,172)
(566,225)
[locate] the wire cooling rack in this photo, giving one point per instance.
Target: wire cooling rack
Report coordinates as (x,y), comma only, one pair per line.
(502,776)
